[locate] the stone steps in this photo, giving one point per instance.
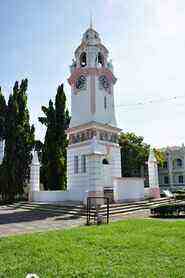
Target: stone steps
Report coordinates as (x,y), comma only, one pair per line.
(133,206)
(80,210)
(138,203)
(53,209)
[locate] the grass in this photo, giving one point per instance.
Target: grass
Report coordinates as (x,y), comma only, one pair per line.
(131,248)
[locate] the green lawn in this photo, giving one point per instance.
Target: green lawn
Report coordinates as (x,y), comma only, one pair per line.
(131,248)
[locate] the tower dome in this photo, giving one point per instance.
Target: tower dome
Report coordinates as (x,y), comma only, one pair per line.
(91,52)
(91,37)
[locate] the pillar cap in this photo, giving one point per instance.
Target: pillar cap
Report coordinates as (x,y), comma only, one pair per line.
(152,157)
(35,159)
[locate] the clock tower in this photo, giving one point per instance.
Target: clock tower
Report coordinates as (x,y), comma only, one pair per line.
(92,81)
(93,156)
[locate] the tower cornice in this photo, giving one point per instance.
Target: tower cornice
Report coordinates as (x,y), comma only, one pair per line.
(95,125)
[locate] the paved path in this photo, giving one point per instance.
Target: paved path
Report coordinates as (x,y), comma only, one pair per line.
(16,219)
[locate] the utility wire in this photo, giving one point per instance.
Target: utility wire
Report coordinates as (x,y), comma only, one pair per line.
(153,101)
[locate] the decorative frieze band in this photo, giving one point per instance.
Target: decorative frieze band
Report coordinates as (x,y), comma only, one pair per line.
(90,133)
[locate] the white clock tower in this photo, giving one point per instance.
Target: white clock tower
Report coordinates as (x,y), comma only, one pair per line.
(93,153)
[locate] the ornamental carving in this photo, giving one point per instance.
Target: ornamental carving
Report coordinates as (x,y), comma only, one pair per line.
(90,133)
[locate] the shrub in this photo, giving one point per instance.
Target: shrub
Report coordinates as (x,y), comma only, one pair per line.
(168,210)
(180,196)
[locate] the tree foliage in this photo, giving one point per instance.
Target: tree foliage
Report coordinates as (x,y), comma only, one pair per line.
(2,115)
(54,165)
(134,155)
(19,141)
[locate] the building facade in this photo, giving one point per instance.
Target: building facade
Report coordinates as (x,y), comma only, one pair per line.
(172,174)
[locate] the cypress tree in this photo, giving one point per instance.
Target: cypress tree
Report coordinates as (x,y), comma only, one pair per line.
(3,109)
(54,165)
(48,152)
(2,115)
(62,123)
(19,141)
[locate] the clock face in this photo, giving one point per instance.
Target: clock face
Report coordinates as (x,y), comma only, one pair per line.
(104,82)
(81,82)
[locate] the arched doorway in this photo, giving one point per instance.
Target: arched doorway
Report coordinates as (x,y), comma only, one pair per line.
(105,161)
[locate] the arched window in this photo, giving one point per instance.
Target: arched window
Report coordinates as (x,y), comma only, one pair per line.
(105,161)
(100,60)
(75,164)
(83,163)
(165,165)
(179,162)
(105,102)
(181,179)
(83,59)
(166,180)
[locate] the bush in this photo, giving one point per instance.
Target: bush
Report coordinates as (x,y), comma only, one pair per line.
(180,191)
(180,196)
(168,210)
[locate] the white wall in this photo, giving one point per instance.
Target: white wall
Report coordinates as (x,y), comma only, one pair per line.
(129,189)
(81,180)
(126,189)
(115,161)
(147,192)
(56,196)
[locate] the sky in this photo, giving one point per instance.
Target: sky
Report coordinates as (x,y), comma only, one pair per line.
(146,42)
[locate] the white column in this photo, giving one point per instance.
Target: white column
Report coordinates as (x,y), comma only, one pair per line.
(35,173)
(1,151)
(153,175)
(170,168)
(95,171)
(95,178)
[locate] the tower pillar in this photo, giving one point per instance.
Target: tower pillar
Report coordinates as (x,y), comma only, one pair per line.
(1,151)
(34,175)
(154,189)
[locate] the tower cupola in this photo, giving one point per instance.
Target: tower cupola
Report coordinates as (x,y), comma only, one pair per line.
(91,52)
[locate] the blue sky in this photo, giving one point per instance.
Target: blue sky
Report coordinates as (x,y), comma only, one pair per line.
(146,40)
